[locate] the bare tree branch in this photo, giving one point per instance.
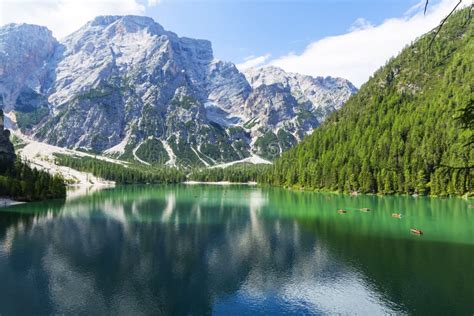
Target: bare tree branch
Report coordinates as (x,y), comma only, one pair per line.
(440,26)
(426,6)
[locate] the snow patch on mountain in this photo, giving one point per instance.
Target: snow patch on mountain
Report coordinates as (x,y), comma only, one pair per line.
(172,157)
(138,158)
(119,148)
(254,159)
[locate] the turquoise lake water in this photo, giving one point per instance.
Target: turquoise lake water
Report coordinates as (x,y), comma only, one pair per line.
(236,250)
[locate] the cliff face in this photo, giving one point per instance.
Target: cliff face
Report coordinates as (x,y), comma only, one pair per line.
(126,87)
(7,152)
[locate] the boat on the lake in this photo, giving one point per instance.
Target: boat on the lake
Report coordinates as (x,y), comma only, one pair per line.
(416,231)
(396,215)
(342,211)
(364,209)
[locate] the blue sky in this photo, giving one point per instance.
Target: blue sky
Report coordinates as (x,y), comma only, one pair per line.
(239,29)
(340,38)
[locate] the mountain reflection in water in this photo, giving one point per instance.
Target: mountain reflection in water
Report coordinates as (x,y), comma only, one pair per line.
(234,250)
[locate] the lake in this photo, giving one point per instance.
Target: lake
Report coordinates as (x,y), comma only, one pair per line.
(236,250)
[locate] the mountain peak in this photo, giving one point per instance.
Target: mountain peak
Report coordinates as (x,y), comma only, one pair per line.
(105,20)
(132,23)
(269,75)
(31,30)
(24,48)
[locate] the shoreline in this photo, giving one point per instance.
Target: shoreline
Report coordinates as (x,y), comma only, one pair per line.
(466,196)
(219,183)
(79,189)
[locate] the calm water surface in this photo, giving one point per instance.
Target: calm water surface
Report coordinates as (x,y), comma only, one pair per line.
(199,250)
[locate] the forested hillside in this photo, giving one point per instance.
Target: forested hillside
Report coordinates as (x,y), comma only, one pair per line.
(236,173)
(130,174)
(21,182)
(400,133)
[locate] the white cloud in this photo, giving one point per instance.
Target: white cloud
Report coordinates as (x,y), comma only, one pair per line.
(63,16)
(357,54)
(252,61)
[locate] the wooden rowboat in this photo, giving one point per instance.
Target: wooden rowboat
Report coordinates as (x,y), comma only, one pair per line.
(342,211)
(365,209)
(396,215)
(416,231)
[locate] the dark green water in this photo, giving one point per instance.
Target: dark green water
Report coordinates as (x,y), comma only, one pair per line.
(200,250)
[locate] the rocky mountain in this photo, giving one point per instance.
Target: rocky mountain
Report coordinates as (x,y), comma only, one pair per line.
(126,87)
(7,152)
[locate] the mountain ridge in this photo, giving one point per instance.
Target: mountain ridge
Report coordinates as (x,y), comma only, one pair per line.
(125,86)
